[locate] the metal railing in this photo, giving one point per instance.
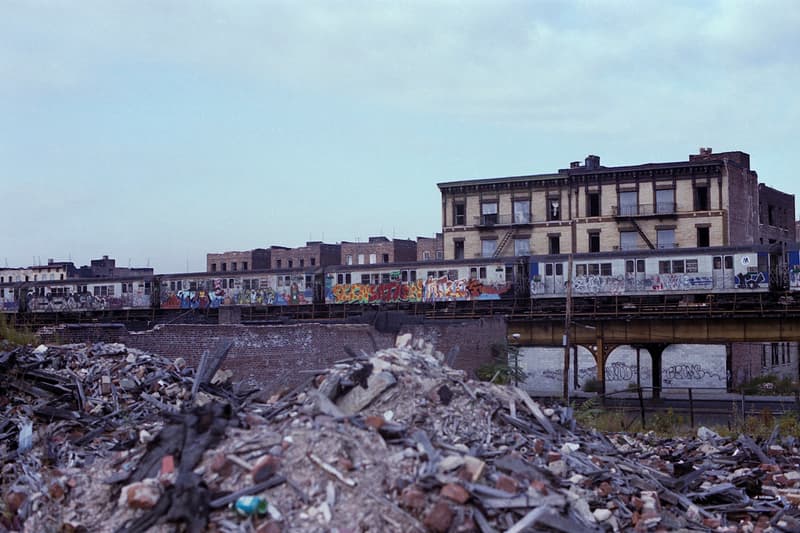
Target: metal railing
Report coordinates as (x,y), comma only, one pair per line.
(645,210)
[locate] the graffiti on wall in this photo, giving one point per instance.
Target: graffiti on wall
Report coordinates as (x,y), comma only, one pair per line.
(689,372)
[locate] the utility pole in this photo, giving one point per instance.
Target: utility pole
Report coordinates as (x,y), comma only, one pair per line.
(567,325)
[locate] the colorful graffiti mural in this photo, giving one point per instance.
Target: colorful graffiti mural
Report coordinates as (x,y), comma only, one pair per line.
(212,294)
(432,290)
(86,301)
(750,280)
(447,290)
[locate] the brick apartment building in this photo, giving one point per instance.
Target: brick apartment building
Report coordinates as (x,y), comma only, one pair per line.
(378,250)
(256,259)
(313,254)
(710,200)
(430,248)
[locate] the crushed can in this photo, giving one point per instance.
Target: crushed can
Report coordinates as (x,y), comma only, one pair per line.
(251,505)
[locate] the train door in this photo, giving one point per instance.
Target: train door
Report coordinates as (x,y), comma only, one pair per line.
(554,278)
(517,275)
(635,275)
(723,272)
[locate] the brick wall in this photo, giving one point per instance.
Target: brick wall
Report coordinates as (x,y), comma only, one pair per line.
(273,357)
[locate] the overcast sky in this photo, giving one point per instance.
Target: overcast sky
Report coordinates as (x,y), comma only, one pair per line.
(157,131)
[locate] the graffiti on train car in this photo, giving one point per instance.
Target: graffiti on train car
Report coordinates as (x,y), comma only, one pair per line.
(85,301)
(750,280)
(364,293)
(596,284)
(213,293)
(794,277)
(444,289)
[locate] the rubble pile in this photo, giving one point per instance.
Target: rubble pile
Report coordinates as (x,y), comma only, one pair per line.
(102,438)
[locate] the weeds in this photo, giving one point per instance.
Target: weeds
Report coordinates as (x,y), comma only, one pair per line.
(13,335)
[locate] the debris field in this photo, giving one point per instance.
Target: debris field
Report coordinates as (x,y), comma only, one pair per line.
(102,438)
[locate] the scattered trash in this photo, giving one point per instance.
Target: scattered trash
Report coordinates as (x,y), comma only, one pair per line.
(102,438)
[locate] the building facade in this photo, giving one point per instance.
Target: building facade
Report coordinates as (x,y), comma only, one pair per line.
(430,248)
(378,250)
(256,259)
(313,254)
(776,216)
(709,200)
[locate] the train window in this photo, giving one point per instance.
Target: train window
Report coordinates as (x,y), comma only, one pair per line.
(482,273)
(663,267)
(629,266)
(347,278)
(339,279)
(376,279)
(404,275)
(473,273)
(640,265)
(224,284)
(431,274)
(308,280)
(172,286)
(147,287)
(729,262)
(192,285)
(580,270)
(678,267)
(691,266)
(605,269)
(413,276)
(594,269)
(287,280)
(548,269)
(441,274)
(452,275)
(365,279)
(385,277)
(559,269)
(717,262)
(230,283)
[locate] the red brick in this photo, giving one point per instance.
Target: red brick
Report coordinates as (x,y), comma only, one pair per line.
(439,518)
(412,497)
(455,492)
(506,483)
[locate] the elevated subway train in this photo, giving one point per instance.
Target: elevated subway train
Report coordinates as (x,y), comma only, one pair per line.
(680,272)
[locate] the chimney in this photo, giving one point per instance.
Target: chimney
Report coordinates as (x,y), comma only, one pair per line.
(592,162)
(705,150)
(575,164)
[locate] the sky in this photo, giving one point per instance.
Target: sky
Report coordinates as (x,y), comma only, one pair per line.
(156,131)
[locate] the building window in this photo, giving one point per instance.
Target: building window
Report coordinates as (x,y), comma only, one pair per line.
(348,259)
(458,249)
(701,202)
(553,209)
(665,201)
(244,265)
(554,244)
(225,267)
(291,263)
(439,255)
(628,240)
(213,267)
(665,238)
(594,241)
(313,261)
(488,247)
(277,263)
(522,211)
(233,266)
(373,258)
(628,203)
(593,204)
(385,258)
(426,255)
(703,238)
(522,247)
(302,263)
(489,213)
(360,259)
(459,214)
